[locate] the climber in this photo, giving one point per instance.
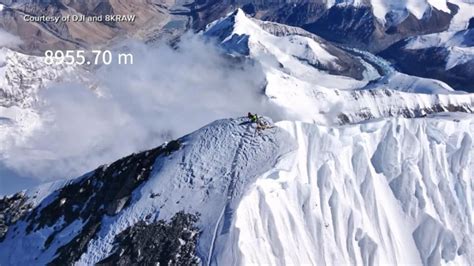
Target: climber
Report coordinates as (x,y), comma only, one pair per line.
(253,117)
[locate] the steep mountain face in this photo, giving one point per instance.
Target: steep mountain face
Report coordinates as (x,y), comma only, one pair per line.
(447,56)
(342,200)
(371,25)
(245,36)
(307,77)
(83,218)
(395,191)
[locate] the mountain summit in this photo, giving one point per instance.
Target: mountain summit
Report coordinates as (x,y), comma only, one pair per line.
(370,194)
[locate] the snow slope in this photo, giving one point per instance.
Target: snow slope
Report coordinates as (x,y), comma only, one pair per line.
(384,193)
(447,56)
(416,7)
(21,78)
(395,191)
(308,93)
(208,175)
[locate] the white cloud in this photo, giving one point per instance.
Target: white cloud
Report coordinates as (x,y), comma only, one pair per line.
(166,94)
(8,39)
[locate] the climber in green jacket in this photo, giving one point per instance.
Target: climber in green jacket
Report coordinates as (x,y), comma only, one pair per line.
(253,117)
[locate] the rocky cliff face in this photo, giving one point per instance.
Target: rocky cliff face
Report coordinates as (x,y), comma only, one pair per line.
(359,25)
(445,56)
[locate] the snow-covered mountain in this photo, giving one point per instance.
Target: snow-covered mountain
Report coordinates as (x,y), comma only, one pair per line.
(397,191)
(447,56)
(308,76)
(369,167)
(22,76)
(370,25)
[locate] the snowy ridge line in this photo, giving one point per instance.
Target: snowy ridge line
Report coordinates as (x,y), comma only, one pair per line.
(298,79)
(383,103)
(368,192)
(312,103)
(194,176)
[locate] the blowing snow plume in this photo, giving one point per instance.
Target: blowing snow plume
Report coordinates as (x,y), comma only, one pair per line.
(165,94)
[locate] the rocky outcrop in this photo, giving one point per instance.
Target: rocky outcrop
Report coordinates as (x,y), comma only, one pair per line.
(431,61)
(104,192)
(172,243)
(12,209)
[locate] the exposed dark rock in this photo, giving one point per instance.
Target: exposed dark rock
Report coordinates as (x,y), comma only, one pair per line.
(347,25)
(343,119)
(355,26)
(105,191)
(471,24)
(12,208)
(172,243)
(433,21)
(431,63)
(249,9)
(352,25)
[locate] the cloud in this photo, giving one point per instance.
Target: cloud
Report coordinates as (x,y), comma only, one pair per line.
(165,94)
(8,39)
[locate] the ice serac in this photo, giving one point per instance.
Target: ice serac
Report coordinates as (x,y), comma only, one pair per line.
(204,174)
(392,192)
